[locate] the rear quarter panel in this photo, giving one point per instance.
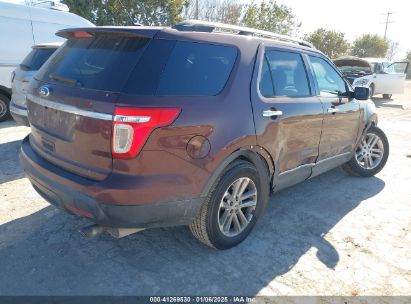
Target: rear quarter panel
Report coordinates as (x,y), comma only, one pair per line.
(225,120)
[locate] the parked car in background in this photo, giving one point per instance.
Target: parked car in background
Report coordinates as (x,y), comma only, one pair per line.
(379,75)
(141,127)
(23,26)
(22,75)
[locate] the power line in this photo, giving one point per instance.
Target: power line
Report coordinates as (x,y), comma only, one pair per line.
(387,21)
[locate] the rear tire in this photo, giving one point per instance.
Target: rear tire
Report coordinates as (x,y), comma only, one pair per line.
(4,108)
(387,96)
(370,156)
(219,223)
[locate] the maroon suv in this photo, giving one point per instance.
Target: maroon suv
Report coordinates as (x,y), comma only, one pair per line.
(140,127)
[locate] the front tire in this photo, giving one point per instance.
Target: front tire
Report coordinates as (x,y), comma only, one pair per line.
(371,155)
(387,96)
(4,108)
(232,207)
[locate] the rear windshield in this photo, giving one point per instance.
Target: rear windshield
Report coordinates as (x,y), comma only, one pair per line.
(103,62)
(141,66)
(35,59)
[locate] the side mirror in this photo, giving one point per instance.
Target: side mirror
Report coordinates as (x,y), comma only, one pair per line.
(361,93)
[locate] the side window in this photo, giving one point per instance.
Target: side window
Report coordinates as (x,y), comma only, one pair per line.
(287,73)
(328,80)
(266,82)
(197,69)
(170,68)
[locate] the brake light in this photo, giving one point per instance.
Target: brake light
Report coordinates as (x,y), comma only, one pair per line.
(132,127)
(81,34)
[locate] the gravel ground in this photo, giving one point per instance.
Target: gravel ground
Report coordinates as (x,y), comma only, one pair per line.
(332,235)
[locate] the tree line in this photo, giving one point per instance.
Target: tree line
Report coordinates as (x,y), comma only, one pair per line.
(266,15)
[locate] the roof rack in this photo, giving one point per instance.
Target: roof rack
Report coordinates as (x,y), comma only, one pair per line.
(209,27)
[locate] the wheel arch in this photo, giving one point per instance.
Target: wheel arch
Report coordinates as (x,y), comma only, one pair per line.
(372,120)
(255,155)
(5,91)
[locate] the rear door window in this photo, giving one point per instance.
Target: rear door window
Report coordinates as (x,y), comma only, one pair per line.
(35,59)
(102,62)
(182,68)
(287,72)
(266,81)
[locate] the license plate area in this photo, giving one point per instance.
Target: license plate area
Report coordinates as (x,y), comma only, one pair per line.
(54,122)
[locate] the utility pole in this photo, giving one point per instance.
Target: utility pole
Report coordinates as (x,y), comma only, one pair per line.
(387,21)
(196,13)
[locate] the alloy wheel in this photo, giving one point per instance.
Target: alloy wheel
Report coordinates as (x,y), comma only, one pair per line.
(370,151)
(237,207)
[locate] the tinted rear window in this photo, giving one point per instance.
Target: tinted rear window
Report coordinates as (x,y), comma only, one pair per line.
(182,68)
(35,59)
(103,62)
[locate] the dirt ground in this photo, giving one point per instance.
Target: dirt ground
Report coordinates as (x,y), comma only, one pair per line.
(332,235)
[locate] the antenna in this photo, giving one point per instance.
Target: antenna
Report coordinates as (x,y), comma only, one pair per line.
(387,21)
(127,12)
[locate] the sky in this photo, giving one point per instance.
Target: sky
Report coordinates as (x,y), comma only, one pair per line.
(356,17)
(352,17)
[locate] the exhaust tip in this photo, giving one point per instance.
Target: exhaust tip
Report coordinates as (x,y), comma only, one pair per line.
(92,231)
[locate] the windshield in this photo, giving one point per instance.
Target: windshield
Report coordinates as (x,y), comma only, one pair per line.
(35,59)
(133,65)
(103,62)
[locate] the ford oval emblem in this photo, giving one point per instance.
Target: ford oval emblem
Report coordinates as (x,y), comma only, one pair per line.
(44,91)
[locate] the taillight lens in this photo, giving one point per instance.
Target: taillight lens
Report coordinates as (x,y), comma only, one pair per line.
(132,126)
(81,34)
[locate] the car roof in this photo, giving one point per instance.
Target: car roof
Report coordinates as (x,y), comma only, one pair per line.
(198,34)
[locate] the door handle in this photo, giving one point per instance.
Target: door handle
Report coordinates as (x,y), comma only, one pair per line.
(269,113)
(332,110)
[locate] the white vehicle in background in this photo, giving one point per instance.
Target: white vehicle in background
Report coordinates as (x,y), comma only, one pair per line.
(22,75)
(23,26)
(379,75)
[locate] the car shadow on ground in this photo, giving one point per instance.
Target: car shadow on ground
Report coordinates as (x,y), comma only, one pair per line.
(9,161)
(386,103)
(43,253)
(7,124)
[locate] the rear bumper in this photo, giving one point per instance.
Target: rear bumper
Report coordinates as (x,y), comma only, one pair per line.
(121,216)
(19,114)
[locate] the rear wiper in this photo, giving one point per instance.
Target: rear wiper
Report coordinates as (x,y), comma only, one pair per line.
(64,79)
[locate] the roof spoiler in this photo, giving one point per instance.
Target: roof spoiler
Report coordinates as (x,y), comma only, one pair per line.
(132,31)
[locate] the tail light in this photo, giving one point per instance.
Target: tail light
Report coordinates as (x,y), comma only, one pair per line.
(132,127)
(81,34)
